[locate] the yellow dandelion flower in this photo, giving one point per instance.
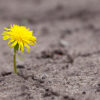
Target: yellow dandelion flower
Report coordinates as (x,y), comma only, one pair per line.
(19,35)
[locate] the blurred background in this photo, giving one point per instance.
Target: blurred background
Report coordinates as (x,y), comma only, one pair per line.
(67,53)
(40,11)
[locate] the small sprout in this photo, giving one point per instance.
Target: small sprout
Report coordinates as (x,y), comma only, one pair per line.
(19,37)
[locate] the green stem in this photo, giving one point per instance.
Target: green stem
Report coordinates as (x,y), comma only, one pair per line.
(14,61)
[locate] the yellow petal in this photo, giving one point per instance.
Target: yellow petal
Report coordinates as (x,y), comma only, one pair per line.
(10,41)
(13,44)
(32,43)
(33,38)
(6,37)
(7,29)
(27,46)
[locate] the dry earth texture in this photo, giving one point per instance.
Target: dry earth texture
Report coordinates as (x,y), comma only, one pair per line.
(65,63)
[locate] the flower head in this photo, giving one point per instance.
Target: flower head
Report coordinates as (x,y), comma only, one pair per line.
(19,35)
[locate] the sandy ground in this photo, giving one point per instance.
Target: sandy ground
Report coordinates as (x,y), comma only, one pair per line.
(65,63)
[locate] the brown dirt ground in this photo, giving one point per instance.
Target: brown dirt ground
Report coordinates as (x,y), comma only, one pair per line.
(65,63)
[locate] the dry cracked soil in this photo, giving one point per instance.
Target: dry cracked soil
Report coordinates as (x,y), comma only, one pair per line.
(65,62)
